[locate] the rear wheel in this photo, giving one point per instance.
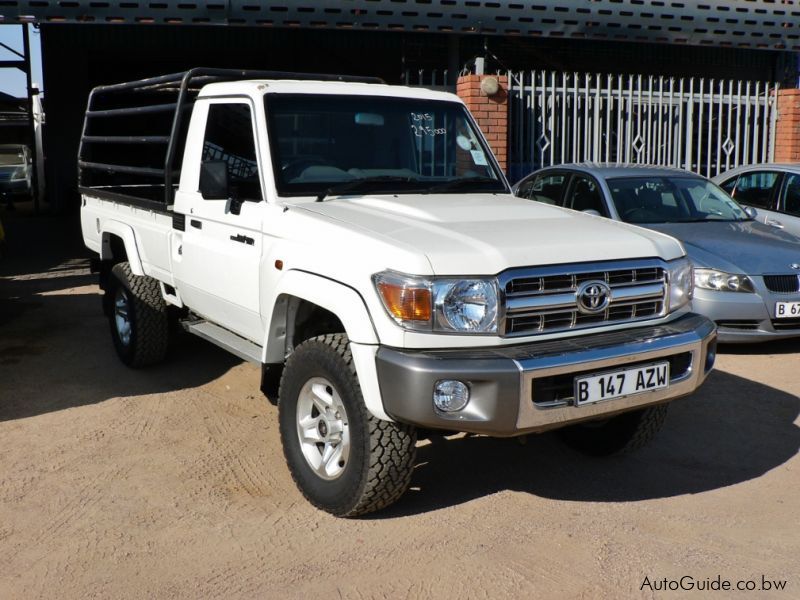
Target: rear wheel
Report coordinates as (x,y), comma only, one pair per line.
(343,460)
(624,433)
(137,317)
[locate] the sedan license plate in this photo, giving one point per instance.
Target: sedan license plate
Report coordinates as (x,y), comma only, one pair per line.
(787,310)
(625,382)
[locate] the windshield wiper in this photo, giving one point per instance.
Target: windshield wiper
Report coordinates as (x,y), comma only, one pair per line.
(349,186)
(455,184)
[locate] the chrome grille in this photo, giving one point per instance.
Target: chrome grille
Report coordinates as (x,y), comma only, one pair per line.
(782,284)
(544,300)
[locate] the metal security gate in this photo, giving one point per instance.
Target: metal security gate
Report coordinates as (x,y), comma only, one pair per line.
(705,126)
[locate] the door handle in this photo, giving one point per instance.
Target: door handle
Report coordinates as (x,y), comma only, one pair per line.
(775,223)
(243,239)
(196,224)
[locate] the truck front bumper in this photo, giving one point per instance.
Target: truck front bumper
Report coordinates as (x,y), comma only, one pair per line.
(523,389)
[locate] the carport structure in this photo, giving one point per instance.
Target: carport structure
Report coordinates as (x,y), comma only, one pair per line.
(89,42)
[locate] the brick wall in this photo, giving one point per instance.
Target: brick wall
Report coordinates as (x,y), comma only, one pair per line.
(787,134)
(491,112)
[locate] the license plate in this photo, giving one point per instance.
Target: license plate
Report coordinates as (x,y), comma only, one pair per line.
(625,382)
(787,310)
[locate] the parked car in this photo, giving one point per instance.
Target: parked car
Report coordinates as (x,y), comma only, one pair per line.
(359,243)
(15,171)
(772,189)
(746,272)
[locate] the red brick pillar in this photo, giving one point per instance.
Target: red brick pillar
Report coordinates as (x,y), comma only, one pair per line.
(787,134)
(491,112)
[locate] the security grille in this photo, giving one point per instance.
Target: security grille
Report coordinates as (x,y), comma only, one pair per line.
(705,126)
(433,79)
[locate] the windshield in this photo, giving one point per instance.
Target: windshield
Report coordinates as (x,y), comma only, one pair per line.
(672,200)
(328,144)
(12,156)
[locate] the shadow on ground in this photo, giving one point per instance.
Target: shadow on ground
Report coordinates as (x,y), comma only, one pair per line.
(732,431)
(785,346)
(57,353)
(55,347)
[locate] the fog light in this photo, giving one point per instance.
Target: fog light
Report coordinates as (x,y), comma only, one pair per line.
(450,395)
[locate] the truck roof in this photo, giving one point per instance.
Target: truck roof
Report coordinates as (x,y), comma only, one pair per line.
(289,86)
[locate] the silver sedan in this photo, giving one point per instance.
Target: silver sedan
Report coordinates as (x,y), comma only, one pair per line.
(772,189)
(747,274)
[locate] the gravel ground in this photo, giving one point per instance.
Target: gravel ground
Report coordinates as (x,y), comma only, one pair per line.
(170,482)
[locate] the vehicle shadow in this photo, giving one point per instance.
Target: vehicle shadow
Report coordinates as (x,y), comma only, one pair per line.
(56,351)
(785,346)
(37,244)
(731,431)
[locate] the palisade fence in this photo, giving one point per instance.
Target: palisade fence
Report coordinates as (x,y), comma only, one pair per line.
(705,126)
(434,79)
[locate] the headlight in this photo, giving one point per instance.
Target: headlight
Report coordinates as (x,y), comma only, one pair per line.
(681,285)
(444,305)
(468,306)
(18,174)
(719,281)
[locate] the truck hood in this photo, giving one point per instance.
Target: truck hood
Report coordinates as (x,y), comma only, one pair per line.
(463,234)
(747,247)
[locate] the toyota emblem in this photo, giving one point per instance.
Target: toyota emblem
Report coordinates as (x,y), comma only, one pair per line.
(593,297)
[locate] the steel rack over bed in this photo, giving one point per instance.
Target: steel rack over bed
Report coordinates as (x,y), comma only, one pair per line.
(134,132)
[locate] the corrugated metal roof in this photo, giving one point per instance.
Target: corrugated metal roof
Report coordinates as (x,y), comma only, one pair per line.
(757,24)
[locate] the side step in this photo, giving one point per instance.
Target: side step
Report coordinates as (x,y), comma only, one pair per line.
(227,340)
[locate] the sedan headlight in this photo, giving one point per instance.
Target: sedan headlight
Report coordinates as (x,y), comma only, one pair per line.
(681,284)
(442,305)
(18,174)
(720,281)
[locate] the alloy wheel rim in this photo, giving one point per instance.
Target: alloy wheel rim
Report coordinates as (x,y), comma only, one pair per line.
(322,428)
(122,319)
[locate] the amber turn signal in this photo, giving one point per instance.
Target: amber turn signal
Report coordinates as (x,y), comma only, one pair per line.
(406,303)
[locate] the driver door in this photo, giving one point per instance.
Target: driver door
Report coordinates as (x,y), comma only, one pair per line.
(217,267)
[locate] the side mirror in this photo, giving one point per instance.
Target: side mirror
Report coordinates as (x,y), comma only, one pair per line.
(750,212)
(214,183)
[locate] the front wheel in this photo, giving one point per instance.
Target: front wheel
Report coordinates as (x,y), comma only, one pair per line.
(343,460)
(618,435)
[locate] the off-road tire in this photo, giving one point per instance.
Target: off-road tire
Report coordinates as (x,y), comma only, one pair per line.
(618,435)
(149,323)
(382,453)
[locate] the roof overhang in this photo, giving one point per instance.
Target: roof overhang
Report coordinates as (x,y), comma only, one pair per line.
(755,24)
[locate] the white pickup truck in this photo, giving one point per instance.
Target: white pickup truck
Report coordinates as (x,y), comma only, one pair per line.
(358,241)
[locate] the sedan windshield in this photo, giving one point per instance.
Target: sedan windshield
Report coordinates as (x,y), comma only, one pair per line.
(12,156)
(672,200)
(329,145)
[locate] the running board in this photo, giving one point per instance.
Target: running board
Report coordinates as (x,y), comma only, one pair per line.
(227,340)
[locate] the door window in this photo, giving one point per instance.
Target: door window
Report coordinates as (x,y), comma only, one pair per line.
(585,194)
(757,189)
(729,185)
(547,188)
(790,202)
(229,138)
